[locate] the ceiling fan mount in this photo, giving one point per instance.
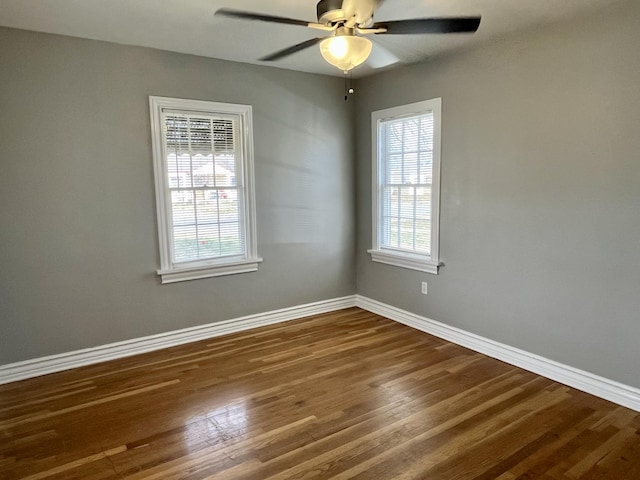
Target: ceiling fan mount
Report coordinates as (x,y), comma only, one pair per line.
(349,21)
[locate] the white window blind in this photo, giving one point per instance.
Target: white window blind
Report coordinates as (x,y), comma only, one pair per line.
(204,186)
(407,153)
(406,163)
(204,170)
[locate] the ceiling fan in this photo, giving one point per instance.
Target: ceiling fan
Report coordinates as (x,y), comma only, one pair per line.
(349,21)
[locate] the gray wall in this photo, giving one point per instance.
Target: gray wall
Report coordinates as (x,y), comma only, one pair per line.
(78,242)
(540,221)
(540,215)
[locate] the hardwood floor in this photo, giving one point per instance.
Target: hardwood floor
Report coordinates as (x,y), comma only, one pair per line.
(342,395)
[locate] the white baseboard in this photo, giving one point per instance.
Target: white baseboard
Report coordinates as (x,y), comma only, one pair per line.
(55,363)
(619,393)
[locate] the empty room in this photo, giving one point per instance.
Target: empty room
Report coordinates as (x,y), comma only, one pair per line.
(335,239)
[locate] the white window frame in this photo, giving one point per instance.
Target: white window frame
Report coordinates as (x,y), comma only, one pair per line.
(411,260)
(248,262)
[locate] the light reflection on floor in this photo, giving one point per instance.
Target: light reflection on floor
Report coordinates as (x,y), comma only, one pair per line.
(216,426)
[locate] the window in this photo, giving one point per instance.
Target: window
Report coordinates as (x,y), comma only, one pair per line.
(406,168)
(203,164)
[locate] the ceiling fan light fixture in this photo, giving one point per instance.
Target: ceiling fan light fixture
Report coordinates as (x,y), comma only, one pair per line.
(345,51)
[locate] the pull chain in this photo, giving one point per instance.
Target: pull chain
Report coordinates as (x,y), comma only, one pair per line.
(348,85)
(346,89)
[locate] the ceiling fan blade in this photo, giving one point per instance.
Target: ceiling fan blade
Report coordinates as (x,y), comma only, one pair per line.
(290,50)
(232,13)
(430,25)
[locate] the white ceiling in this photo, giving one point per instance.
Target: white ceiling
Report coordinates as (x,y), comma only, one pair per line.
(188,26)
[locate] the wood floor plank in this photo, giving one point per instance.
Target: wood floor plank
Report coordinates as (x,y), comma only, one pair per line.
(345,395)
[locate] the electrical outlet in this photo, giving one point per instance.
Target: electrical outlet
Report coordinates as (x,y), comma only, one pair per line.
(424,288)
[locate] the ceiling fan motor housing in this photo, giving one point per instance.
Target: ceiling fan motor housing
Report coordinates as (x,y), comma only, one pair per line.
(330,12)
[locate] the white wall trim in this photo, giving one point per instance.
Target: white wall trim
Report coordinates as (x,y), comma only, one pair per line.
(242,116)
(383,253)
(55,363)
(613,391)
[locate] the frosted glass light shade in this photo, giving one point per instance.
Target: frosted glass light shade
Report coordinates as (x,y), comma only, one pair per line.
(345,51)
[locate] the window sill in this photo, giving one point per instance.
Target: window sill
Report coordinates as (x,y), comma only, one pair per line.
(206,271)
(405,260)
